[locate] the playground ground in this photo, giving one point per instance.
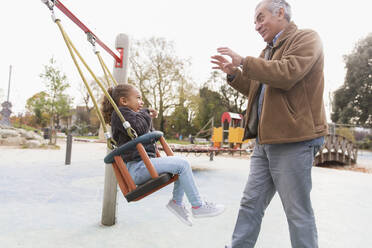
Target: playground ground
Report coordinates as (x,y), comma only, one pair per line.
(45,203)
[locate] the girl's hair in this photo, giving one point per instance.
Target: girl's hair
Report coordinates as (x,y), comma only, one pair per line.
(120,90)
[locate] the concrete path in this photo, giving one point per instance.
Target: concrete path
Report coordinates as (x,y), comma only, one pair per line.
(44,203)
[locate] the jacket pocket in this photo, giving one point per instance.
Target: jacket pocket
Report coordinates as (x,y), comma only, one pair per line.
(290,108)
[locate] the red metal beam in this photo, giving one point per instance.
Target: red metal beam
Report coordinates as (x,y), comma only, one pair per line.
(61,7)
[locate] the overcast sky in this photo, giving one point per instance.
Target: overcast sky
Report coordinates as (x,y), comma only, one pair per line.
(30,38)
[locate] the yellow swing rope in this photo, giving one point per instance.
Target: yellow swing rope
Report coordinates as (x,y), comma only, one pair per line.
(105,69)
(131,132)
(99,113)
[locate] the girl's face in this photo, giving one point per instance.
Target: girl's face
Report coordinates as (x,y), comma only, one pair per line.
(134,101)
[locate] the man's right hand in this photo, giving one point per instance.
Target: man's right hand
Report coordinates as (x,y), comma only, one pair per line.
(223,64)
(236,58)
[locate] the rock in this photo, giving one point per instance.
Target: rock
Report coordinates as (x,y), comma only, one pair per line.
(31,135)
(22,132)
(10,136)
(32,143)
(13,141)
(5,133)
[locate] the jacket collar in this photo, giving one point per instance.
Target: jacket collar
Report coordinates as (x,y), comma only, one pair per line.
(287,32)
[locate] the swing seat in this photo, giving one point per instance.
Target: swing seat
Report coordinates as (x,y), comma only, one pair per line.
(131,191)
(149,187)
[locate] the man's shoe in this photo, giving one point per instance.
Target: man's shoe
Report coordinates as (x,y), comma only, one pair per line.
(208,209)
(180,211)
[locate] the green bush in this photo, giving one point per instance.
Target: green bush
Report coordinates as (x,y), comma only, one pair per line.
(346,132)
(365,144)
(25,127)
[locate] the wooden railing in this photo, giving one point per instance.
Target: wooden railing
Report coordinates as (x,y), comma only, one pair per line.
(336,150)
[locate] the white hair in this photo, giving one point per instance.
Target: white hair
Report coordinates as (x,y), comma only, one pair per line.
(275,5)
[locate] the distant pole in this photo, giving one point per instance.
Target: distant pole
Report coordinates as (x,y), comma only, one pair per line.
(6,111)
(10,75)
(211,155)
(110,185)
(68,149)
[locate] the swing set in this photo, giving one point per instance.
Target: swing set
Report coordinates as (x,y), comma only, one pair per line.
(130,190)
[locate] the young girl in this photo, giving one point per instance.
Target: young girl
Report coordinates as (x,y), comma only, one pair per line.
(129,102)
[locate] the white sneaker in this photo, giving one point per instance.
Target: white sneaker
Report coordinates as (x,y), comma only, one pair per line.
(208,209)
(180,211)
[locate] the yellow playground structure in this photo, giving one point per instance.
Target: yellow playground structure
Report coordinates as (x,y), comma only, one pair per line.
(230,134)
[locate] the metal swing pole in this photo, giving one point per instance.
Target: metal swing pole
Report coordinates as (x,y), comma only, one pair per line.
(110,185)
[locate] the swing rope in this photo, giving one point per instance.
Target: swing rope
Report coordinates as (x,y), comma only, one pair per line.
(106,70)
(131,132)
(99,113)
(125,181)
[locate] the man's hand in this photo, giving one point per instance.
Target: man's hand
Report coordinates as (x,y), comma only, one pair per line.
(153,113)
(223,64)
(236,58)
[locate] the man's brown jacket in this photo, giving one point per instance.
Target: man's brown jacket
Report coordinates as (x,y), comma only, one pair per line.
(292,109)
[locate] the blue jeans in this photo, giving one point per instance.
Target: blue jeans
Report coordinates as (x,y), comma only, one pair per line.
(172,164)
(285,168)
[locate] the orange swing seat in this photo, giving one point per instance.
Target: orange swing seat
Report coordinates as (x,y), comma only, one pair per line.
(130,190)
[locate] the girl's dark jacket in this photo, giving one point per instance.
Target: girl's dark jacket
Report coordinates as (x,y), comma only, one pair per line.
(140,122)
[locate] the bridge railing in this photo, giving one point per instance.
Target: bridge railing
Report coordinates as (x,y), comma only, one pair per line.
(337,150)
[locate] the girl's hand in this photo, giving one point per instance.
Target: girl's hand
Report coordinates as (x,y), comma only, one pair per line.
(153,113)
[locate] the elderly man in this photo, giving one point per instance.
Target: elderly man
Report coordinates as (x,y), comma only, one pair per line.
(285,115)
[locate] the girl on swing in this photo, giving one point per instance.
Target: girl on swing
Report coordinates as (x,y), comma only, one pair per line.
(129,101)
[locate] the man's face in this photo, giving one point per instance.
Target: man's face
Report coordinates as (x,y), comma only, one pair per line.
(267,24)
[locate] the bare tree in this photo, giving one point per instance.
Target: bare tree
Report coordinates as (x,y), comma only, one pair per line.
(158,72)
(232,99)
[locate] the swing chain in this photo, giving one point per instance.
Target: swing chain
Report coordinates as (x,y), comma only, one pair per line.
(131,132)
(111,143)
(50,4)
(92,40)
(126,125)
(108,135)
(54,17)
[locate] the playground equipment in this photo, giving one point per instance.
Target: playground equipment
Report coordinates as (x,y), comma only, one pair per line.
(117,167)
(225,139)
(336,150)
(231,132)
(126,183)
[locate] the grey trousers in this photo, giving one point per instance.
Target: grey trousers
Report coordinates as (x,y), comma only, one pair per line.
(285,168)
